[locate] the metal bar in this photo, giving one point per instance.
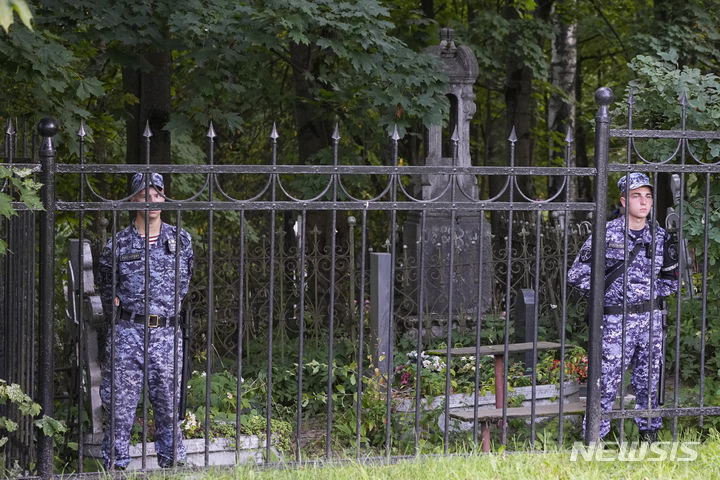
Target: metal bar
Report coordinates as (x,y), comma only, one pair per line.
(501,387)
(391,331)
(451,282)
(300,269)
(563,291)
(331,306)
(113,338)
(82,348)
(73,168)
(703,329)
(664,412)
(604,97)
(178,345)
(673,134)
(240,332)
(478,324)
(46,361)
(534,340)
(328,170)
(420,326)
(146,306)
(472,207)
(361,334)
(271,302)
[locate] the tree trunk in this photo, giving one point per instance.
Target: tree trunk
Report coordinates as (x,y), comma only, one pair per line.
(561,107)
(314,131)
(520,107)
(152,89)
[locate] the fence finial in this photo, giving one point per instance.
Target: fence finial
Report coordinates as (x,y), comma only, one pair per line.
(47,128)
(604,96)
(683,99)
(147,133)
(455,137)
(395,135)
(211,131)
(274,133)
(336,133)
(9,130)
(513,136)
(569,137)
(81,131)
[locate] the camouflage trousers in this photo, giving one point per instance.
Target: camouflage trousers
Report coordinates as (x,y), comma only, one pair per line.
(129,360)
(637,356)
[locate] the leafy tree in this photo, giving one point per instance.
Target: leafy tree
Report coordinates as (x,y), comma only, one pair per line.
(7,7)
(21,183)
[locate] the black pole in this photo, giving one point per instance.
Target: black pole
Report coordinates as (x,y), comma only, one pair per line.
(47,127)
(604,97)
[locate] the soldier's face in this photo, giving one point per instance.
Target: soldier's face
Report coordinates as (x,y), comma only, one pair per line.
(153,196)
(638,203)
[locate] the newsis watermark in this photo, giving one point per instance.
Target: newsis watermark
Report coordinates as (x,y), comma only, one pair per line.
(635,452)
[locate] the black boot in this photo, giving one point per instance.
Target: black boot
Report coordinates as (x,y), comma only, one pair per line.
(649,436)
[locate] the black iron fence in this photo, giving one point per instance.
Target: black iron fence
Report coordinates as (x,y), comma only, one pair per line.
(303,309)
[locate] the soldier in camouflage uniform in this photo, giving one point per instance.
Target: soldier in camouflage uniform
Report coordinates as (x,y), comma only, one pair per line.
(131,323)
(644,269)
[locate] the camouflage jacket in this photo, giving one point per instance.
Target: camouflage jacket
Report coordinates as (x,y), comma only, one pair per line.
(130,275)
(639,273)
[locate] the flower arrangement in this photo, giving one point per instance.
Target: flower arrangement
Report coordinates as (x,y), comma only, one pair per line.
(462,374)
(576,364)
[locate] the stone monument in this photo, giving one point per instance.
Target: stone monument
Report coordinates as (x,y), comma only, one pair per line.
(460,65)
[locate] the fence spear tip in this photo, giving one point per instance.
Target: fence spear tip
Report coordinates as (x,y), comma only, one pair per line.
(683,99)
(569,136)
(211,131)
(274,133)
(147,133)
(9,130)
(81,131)
(395,135)
(455,137)
(336,133)
(513,136)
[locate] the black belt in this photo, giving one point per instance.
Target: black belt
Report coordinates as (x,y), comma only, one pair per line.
(643,307)
(152,321)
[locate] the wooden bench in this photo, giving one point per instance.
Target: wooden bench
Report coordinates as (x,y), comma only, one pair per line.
(498,352)
(486,415)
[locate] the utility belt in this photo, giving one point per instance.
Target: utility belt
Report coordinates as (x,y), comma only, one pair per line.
(643,307)
(152,321)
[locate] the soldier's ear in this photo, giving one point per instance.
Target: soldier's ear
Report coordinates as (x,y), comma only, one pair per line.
(622,200)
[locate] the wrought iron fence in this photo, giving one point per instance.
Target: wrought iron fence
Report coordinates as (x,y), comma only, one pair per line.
(260,303)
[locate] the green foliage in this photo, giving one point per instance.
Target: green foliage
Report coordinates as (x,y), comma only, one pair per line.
(695,222)
(21,184)
(7,10)
(14,396)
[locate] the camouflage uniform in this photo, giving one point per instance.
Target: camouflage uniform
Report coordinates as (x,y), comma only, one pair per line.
(129,355)
(637,325)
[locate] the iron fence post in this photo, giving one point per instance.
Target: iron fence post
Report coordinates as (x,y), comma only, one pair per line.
(604,97)
(47,127)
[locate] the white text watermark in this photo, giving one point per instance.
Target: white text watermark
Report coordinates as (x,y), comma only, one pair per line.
(635,452)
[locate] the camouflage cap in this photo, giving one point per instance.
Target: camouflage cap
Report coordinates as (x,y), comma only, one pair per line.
(637,180)
(138,182)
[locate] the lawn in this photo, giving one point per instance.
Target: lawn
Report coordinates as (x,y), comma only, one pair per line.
(685,460)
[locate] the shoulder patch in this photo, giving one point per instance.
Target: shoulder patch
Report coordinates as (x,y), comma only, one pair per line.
(614,245)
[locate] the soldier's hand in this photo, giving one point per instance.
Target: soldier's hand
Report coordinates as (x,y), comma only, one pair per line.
(669,268)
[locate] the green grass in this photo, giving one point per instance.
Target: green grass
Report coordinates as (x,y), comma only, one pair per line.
(520,466)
